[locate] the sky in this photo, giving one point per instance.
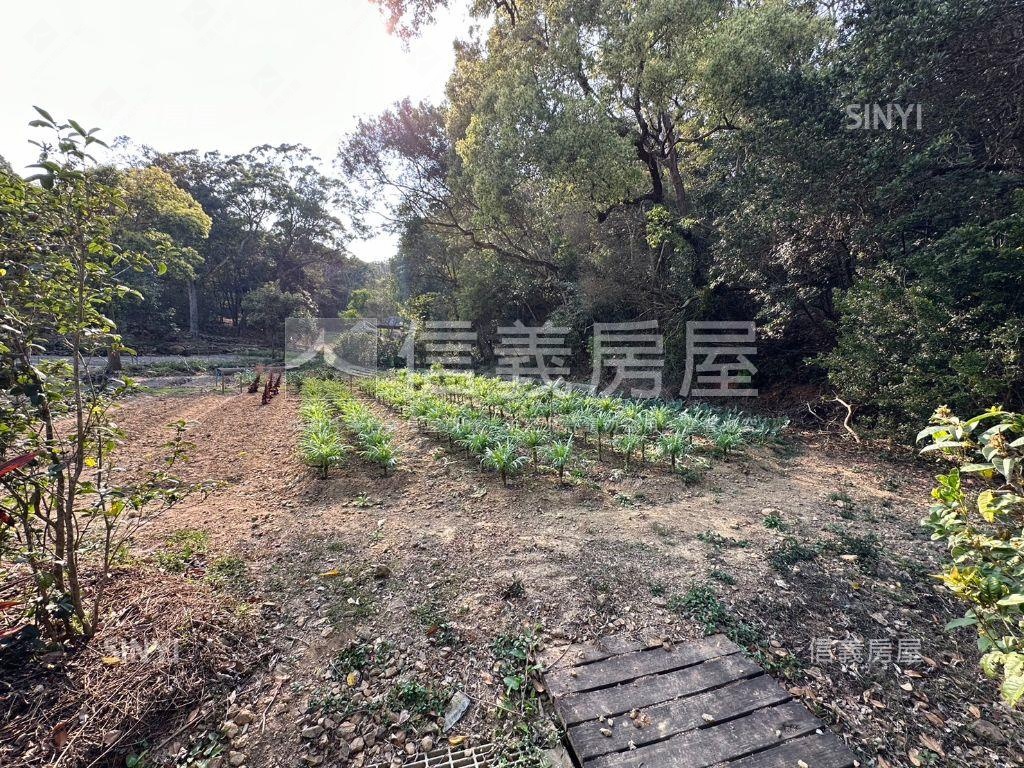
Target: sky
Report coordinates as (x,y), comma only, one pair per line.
(214,74)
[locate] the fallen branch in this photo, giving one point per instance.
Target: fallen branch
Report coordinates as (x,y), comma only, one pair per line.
(849,416)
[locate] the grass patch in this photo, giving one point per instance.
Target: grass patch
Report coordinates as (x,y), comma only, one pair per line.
(421,701)
(352,599)
(701,604)
(773,522)
(867,548)
(721,576)
(183,549)
(229,572)
(718,541)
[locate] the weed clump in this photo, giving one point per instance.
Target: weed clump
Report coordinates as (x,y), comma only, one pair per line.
(789,553)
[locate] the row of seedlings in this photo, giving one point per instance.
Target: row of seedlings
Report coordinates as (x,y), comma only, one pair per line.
(374,440)
(525,421)
(320,442)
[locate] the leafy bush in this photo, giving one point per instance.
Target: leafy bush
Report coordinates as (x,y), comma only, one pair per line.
(945,348)
(979,514)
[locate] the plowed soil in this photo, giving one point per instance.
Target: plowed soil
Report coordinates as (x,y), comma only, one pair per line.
(430,565)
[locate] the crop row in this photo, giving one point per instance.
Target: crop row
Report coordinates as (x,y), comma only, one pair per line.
(320,443)
(373,438)
(508,424)
(327,413)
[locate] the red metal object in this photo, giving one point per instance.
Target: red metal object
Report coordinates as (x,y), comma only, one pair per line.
(17,462)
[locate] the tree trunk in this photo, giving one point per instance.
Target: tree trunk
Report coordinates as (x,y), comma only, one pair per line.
(113,361)
(193,310)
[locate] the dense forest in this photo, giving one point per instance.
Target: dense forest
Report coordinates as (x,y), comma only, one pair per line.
(692,159)
(847,174)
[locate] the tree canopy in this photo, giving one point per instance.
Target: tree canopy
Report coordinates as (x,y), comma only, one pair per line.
(694,159)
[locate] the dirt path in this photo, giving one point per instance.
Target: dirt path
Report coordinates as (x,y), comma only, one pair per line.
(424,569)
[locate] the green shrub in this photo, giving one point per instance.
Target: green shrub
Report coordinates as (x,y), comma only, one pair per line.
(901,348)
(979,514)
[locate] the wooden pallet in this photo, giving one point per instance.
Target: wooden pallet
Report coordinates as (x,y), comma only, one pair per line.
(628,704)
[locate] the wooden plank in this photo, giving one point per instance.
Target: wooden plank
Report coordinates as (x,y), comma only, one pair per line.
(721,743)
(656,689)
(603,648)
(821,750)
(677,716)
(630,666)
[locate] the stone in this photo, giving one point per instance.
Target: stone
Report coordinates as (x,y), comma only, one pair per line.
(236,758)
(426,743)
(312,731)
(347,729)
(456,709)
(243,717)
(988,731)
(357,744)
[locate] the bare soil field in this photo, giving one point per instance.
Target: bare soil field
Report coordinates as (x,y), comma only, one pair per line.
(378,601)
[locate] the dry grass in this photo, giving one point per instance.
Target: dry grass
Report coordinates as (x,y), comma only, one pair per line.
(164,647)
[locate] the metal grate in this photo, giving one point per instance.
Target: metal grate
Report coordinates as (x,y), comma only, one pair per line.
(474,757)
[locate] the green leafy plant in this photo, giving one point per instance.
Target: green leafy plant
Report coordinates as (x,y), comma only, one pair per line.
(532,439)
(382,454)
(603,424)
(322,447)
(727,439)
(978,512)
(421,701)
(673,445)
(516,658)
(558,455)
(789,553)
(504,458)
(628,443)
